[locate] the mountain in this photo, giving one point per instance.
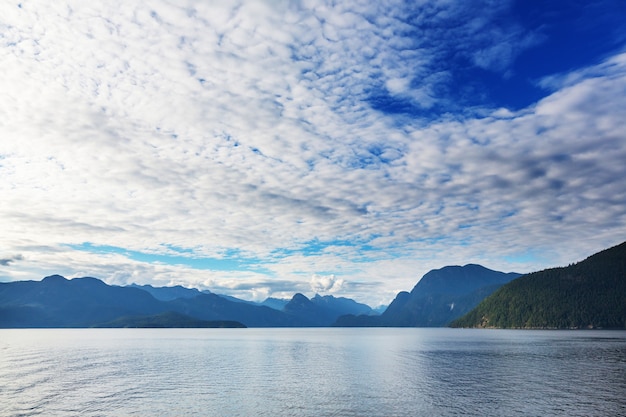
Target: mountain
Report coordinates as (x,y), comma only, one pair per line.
(214,307)
(275,303)
(86,302)
(441,296)
(168,293)
(307,312)
(376,311)
(58,302)
(322,310)
(234,299)
(588,294)
(340,305)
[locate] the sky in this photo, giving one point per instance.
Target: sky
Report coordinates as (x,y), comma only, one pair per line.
(264,148)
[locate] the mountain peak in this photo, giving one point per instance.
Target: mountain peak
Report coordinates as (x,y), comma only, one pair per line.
(457,280)
(55,279)
(299,298)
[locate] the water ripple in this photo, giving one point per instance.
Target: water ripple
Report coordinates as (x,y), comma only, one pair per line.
(311,372)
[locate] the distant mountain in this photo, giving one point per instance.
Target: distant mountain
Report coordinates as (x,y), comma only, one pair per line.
(234,299)
(178,291)
(59,302)
(275,303)
(215,307)
(376,311)
(588,294)
(340,305)
(307,312)
(441,296)
(322,310)
(168,293)
(86,302)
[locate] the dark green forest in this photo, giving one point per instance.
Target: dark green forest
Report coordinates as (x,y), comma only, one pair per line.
(168,319)
(588,294)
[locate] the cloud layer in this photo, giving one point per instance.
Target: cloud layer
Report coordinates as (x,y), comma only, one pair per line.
(310,140)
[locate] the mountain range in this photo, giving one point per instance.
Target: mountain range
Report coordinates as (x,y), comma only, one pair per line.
(439,297)
(589,294)
(88,302)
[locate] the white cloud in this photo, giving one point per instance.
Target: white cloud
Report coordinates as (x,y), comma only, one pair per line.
(326,283)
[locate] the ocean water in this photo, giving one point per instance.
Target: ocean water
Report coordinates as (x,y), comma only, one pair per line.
(311,372)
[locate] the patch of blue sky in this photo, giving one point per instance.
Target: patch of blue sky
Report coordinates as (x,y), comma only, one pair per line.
(313,247)
(406,110)
(508,214)
(523,257)
(572,36)
(536,40)
(564,40)
(318,247)
(381,100)
(231,261)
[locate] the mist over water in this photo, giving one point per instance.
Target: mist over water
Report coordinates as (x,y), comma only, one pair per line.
(311,372)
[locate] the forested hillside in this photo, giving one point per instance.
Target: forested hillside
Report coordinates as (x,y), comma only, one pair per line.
(588,294)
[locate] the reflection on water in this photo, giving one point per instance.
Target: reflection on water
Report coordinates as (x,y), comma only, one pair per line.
(311,372)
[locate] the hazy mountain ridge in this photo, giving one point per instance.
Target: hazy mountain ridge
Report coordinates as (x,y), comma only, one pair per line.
(588,294)
(341,305)
(58,302)
(169,293)
(275,303)
(86,302)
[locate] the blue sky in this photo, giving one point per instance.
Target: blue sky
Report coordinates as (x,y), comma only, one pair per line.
(265,148)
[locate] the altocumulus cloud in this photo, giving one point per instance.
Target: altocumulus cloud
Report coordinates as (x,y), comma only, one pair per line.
(248,147)
(9,260)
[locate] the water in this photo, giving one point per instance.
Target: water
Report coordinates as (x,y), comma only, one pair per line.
(311,372)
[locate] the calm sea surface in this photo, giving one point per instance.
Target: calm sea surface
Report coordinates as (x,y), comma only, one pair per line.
(312,372)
